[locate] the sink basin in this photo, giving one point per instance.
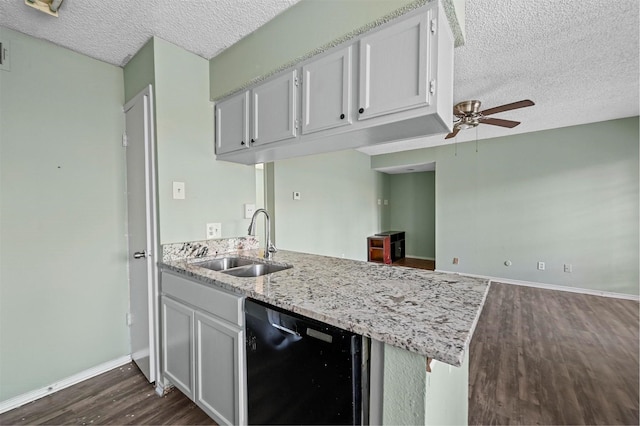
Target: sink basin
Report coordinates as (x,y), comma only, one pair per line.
(224,263)
(255,270)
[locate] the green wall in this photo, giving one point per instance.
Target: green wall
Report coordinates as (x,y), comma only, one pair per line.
(63,277)
(302,28)
(140,71)
(412,209)
(567,195)
(215,191)
(338,208)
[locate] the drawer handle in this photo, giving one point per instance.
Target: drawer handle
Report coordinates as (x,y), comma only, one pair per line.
(341,116)
(361,110)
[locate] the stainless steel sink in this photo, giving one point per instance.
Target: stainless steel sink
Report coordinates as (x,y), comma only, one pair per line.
(224,263)
(255,270)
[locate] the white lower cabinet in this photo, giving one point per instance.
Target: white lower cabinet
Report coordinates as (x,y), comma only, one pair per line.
(177,345)
(218,368)
(203,347)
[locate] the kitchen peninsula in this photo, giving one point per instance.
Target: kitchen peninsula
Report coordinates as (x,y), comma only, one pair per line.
(411,316)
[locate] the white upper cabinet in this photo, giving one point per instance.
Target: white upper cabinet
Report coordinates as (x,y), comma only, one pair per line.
(326,95)
(394,69)
(274,110)
(392,83)
(232,123)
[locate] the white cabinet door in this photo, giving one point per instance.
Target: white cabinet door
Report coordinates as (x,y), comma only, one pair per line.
(393,68)
(220,375)
(178,343)
(232,123)
(326,94)
(274,110)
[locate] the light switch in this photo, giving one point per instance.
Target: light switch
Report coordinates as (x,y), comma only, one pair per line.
(178,191)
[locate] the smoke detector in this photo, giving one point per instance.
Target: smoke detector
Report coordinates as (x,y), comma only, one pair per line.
(47,6)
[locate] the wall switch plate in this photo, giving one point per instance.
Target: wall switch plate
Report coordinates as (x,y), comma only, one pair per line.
(456,260)
(568,267)
(214,230)
(386,202)
(249,210)
(541,266)
(178,191)
(379,202)
(296,195)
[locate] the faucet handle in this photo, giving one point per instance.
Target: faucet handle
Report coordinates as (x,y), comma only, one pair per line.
(272,248)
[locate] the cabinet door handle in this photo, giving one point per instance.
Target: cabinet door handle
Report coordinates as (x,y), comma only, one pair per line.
(140,254)
(341,116)
(241,142)
(361,110)
(253,141)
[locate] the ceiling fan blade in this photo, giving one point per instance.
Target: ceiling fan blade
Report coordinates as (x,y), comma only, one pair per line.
(499,122)
(508,107)
(453,134)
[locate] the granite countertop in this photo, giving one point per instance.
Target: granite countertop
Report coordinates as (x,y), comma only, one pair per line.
(430,313)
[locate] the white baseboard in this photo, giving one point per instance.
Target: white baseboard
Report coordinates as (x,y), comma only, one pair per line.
(420,257)
(550,286)
(25,398)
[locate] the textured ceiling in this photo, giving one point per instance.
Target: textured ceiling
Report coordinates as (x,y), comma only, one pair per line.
(114,30)
(576,59)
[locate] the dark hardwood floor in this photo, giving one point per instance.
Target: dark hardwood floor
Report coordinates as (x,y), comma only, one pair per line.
(537,357)
(416,263)
(119,397)
(549,357)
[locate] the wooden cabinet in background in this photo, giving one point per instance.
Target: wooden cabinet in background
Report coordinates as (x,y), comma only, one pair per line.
(379,248)
(386,247)
(396,243)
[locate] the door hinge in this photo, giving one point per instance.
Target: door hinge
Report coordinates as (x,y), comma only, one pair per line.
(129,319)
(296,123)
(297,81)
(125,140)
(434,26)
(432,87)
(1,54)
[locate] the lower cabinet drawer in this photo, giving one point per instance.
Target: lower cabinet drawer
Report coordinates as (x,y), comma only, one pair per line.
(207,298)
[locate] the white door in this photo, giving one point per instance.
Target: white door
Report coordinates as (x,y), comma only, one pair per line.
(141,231)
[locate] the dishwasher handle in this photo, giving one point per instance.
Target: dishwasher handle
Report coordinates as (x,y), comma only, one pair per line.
(286,330)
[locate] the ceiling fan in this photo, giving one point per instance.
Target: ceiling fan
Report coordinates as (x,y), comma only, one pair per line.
(468,115)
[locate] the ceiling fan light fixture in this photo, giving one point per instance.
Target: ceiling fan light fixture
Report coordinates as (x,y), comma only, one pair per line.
(49,7)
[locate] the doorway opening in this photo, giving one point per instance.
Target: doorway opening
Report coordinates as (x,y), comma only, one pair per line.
(411,209)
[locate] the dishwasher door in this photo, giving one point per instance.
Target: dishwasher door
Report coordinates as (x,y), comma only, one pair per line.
(300,371)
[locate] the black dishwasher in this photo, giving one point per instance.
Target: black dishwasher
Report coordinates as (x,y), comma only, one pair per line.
(299,370)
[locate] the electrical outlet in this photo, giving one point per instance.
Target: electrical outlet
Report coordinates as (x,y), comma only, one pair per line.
(214,230)
(568,267)
(296,195)
(541,266)
(249,210)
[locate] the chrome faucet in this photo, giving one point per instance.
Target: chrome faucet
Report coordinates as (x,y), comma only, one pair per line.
(269,247)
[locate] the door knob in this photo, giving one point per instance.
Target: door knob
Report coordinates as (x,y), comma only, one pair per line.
(140,254)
